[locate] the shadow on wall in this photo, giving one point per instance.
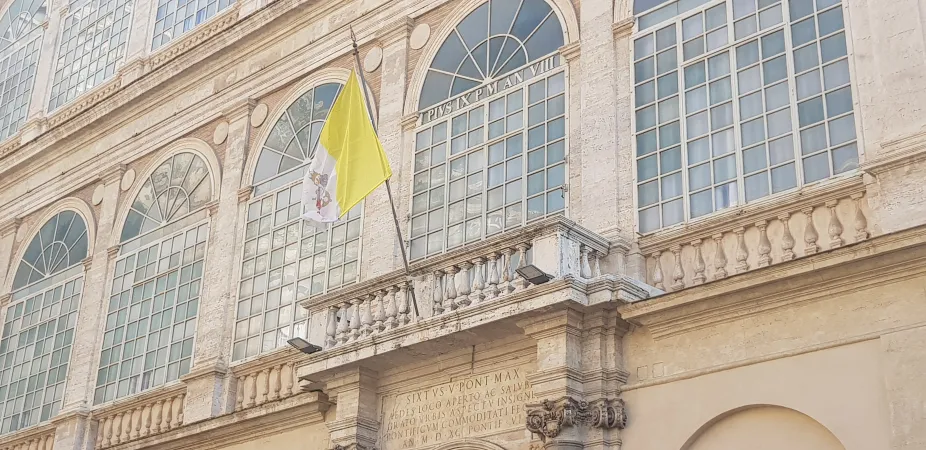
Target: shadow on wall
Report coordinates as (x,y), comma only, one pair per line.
(763,427)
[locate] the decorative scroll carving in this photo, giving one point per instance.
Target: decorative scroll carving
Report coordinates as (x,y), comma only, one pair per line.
(553,416)
(353,446)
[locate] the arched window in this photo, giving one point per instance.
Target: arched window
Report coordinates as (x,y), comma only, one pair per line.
(39,326)
(176,17)
(284,257)
(21,34)
(736,101)
(92,47)
(490,152)
(151,323)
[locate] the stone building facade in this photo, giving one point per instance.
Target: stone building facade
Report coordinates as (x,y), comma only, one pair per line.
(727,198)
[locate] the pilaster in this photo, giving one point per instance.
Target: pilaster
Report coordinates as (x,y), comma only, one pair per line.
(72,430)
(381,252)
(93,304)
(45,68)
(207,386)
(357,421)
(8,231)
(138,46)
(623,134)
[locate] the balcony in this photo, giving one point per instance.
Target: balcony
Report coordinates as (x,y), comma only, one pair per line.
(459,292)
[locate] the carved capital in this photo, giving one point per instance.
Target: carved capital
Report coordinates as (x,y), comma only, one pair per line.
(239,110)
(409,122)
(113,251)
(352,446)
(623,28)
(571,52)
(397,31)
(87,262)
(549,418)
(244,194)
(5,299)
(212,208)
(113,174)
(10,226)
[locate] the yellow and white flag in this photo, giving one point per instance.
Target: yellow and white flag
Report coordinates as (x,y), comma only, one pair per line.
(349,160)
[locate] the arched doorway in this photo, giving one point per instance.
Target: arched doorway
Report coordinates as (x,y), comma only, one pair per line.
(763,428)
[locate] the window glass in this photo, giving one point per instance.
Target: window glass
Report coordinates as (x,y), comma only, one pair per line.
(150,324)
(285,258)
(38,328)
(176,17)
(774,109)
(21,34)
(91,48)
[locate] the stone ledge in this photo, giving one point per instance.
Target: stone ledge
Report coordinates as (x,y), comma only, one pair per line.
(898,153)
(874,262)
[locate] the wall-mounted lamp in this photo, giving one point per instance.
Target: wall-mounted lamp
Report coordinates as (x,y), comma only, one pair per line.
(303,345)
(533,275)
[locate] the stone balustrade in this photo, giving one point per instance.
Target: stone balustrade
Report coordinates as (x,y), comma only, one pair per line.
(145,415)
(41,437)
(757,236)
(476,274)
(269,378)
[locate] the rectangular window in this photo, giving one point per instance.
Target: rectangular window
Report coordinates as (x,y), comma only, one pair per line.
(491,167)
(92,47)
(151,324)
(286,258)
(35,351)
(176,17)
(17,76)
(759,103)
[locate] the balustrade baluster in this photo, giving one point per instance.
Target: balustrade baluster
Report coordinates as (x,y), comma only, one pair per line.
(294,385)
(100,432)
(107,432)
(699,265)
(379,318)
(125,426)
(861,223)
(239,394)
(146,420)
(742,252)
(522,262)
(505,271)
(251,384)
(585,270)
(274,384)
(463,299)
(136,423)
(331,331)
(492,276)
(367,319)
(391,320)
(437,293)
(810,233)
(835,226)
(787,240)
(678,272)
(355,319)
(156,413)
(720,257)
(344,323)
(765,247)
(403,302)
(263,383)
(596,266)
(451,286)
(177,411)
(657,271)
(478,283)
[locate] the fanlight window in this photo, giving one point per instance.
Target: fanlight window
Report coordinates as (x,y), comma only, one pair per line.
(493,156)
(20,41)
(151,324)
(495,39)
(38,329)
(284,257)
(175,188)
(92,47)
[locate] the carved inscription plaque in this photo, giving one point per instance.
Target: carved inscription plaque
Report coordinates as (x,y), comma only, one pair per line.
(476,405)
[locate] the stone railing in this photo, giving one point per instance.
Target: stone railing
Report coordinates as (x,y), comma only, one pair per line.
(796,225)
(41,437)
(473,275)
(266,379)
(145,415)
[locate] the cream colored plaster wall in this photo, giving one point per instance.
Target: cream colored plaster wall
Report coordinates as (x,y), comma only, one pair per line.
(312,437)
(841,388)
(750,428)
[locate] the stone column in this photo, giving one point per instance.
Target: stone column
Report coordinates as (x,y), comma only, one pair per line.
(598,140)
(206,391)
(45,70)
(138,46)
(94,302)
(7,239)
(357,421)
(578,377)
(381,252)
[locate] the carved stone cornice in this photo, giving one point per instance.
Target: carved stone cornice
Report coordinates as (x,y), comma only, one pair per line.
(623,27)
(244,194)
(409,122)
(897,153)
(10,226)
(84,102)
(218,24)
(113,174)
(212,208)
(88,263)
(5,299)
(239,110)
(549,418)
(352,446)
(397,31)
(32,129)
(571,51)
(11,144)
(113,252)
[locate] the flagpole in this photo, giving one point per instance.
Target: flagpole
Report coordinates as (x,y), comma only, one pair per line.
(395,214)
